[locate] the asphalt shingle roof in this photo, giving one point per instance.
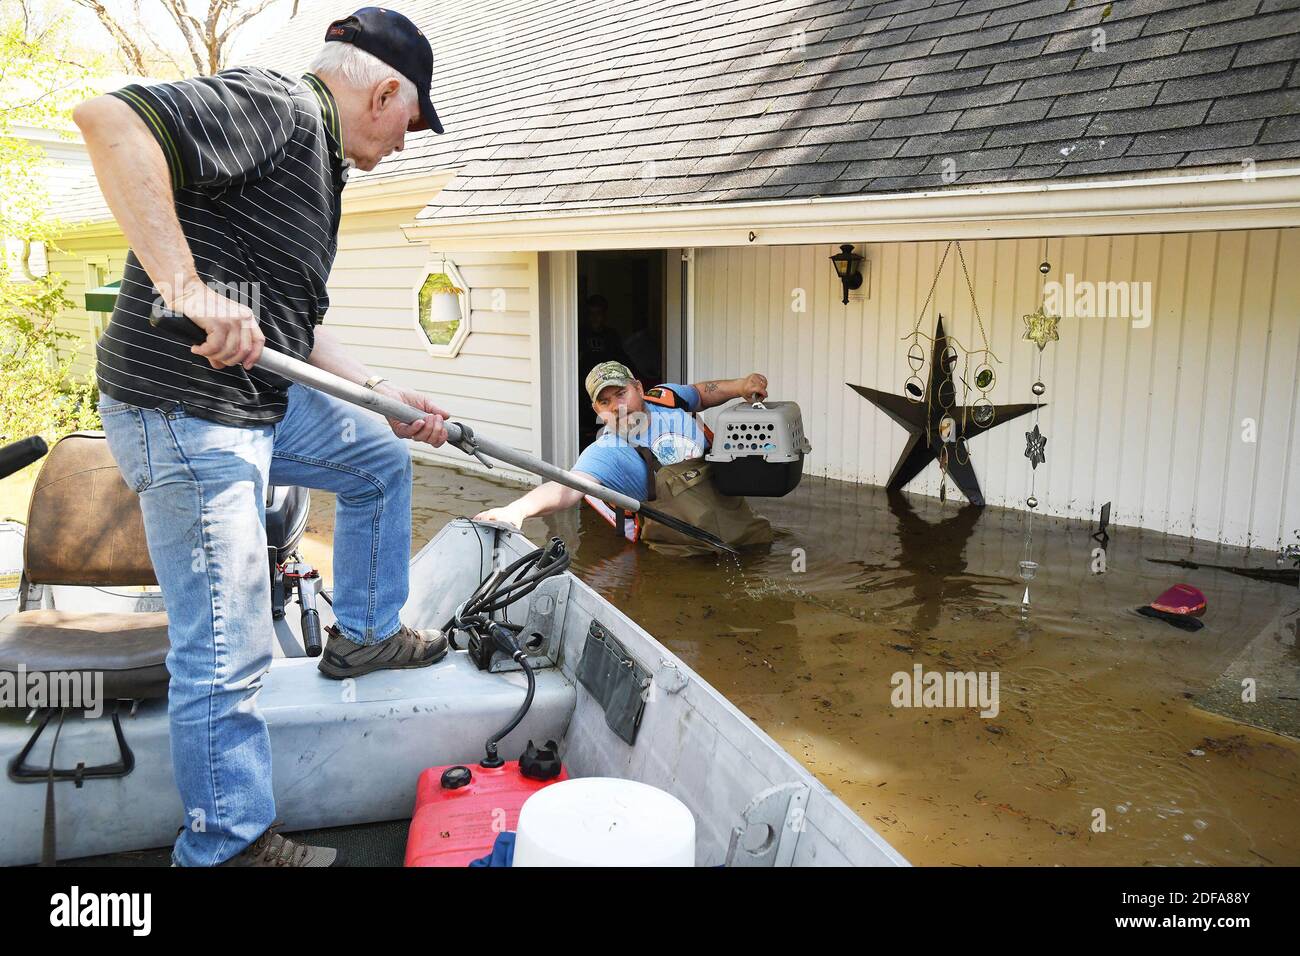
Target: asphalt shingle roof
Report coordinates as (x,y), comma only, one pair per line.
(578,104)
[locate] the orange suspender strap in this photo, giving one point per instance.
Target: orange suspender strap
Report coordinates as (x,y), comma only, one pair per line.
(626,522)
(663,397)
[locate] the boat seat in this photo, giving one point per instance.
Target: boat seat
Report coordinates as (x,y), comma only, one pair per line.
(84,528)
(84,525)
(130,650)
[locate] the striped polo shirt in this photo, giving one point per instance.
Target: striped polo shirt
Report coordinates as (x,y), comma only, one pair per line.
(257,173)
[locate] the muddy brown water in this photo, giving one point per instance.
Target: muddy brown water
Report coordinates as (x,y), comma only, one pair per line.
(1095,710)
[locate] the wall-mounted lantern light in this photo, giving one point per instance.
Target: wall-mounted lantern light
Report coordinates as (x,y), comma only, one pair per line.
(848,267)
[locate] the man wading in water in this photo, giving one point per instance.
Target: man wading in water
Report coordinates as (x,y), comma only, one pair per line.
(230,185)
(652,448)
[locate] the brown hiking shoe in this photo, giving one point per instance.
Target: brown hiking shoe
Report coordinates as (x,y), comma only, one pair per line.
(271,849)
(407,648)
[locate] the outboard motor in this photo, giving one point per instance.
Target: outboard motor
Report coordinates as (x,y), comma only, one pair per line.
(286,520)
(287,507)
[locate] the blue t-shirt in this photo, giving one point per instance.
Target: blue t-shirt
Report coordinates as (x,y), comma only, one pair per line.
(672,434)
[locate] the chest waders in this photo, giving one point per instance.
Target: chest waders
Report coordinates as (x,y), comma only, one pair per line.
(685,490)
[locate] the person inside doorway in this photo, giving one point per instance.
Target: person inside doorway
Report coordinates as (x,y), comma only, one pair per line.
(598,342)
(642,348)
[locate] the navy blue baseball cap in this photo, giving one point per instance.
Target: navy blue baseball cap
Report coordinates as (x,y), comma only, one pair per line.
(392,38)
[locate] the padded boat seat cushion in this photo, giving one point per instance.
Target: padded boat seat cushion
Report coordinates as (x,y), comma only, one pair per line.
(129,649)
(84,524)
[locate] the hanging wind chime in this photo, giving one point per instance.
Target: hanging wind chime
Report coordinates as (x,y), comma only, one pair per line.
(1040,328)
(938,428)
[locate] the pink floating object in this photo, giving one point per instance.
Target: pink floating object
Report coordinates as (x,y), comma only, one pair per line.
(1181,599)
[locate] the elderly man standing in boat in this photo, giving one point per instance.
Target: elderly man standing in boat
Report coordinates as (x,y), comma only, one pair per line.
(228,189)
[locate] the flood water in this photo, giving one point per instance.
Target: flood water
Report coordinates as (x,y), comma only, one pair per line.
(1096,711)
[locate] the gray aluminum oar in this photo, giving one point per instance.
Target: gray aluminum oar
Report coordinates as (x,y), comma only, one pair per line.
(459,435)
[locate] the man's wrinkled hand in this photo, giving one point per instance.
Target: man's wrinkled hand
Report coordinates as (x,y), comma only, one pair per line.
(432,429)
(234,337)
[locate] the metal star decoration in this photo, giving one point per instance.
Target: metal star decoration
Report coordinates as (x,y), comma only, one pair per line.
(922,421)
(1036,447)
(1040,328)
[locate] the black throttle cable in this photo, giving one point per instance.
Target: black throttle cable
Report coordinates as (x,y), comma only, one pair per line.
(506,586)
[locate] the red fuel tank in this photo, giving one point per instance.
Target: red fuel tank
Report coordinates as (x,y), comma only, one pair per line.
(459,810)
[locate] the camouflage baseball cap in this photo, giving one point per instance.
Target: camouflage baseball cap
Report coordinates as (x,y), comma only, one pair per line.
(607,373)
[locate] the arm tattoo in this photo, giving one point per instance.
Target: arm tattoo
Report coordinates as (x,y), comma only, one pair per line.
(710,386)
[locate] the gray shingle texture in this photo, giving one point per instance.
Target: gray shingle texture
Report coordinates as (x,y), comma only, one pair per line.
(587,104)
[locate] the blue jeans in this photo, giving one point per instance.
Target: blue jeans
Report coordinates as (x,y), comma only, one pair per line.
(202,489)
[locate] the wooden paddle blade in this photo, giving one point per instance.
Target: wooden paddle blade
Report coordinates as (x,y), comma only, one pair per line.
(677,524)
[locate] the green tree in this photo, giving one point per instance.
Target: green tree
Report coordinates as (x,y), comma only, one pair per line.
(40,80)
(41,396)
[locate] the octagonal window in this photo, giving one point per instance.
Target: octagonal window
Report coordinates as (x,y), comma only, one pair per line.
(442,308)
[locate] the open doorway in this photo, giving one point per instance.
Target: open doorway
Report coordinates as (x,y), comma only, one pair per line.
(621,317)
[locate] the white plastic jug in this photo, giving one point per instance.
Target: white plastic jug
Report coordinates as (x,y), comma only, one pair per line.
(604,821)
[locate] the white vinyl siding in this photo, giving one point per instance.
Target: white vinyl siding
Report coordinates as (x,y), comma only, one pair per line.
(1150,419)
(492,384)
(70,262)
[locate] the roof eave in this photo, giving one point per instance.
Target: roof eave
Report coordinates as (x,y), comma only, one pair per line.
(405,193)
(1219,198)
(411,191)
